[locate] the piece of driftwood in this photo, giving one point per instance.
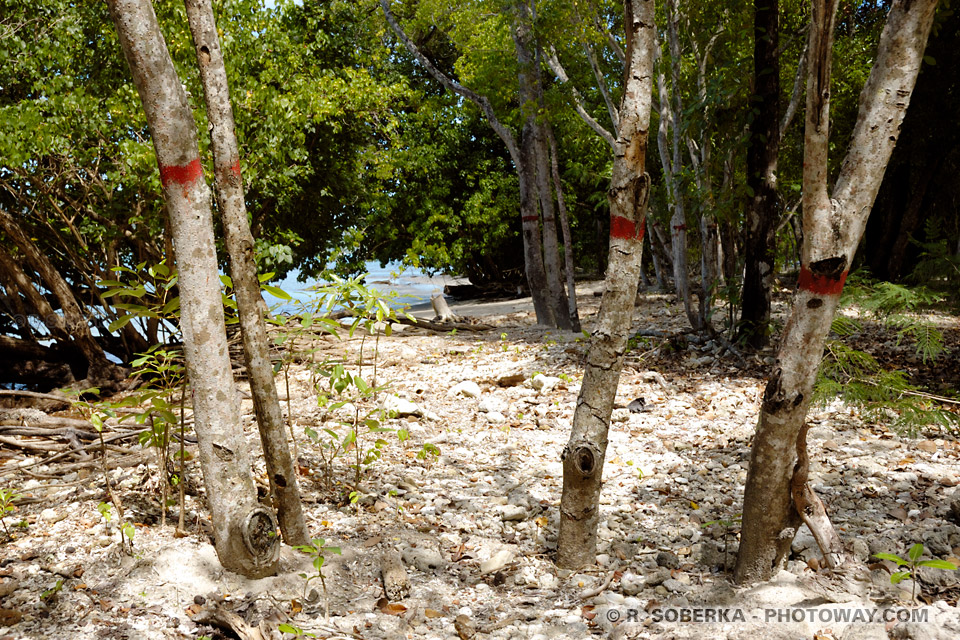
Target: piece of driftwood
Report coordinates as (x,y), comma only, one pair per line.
(229,621)
(396,584)
(22,393)
(464,325)
(442,309)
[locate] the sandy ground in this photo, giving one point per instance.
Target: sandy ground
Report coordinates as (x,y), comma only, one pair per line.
(475,524)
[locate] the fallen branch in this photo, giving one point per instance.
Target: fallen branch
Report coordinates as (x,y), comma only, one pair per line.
(590,593)
(35,394)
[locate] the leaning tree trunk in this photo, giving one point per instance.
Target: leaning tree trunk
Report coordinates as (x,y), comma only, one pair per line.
(777,495)
(584,454)
(243,271)
(761,214)
(244,532)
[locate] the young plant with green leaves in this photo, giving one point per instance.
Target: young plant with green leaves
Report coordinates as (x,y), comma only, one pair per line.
(371,312)
(153,405)
(97,413)
(7,497)
(317,550)
(911,564)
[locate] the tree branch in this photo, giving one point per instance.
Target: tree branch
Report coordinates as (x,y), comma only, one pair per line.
(452,85)
(554,63)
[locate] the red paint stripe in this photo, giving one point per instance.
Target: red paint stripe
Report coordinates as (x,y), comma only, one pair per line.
(680,227)
(626,229)
(236,168)
(820,285)
(183,175)
(530,218)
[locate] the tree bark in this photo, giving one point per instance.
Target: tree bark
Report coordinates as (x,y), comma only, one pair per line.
(565,231)
(244,532)
(243,272)
(832,230)
(584,455)
(761,214)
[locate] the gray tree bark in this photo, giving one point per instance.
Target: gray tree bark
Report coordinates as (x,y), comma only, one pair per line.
(565,233)
(243,272)
(777,495)
(244,532)
(584,455)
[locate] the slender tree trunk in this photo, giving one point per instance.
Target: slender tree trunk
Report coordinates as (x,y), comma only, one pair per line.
(777,495)
(243,271)
(530,228)
(551,249)
(540,235)
(761,214)
(565,231)
(709,267)
(584,455)
(244,532)
(657,268)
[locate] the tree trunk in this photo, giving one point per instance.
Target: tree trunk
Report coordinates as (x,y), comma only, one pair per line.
(551,249)
(523,153)
(761,214)
(244,532)
(243,272)
(776,494)
(565,231)
(709,267)
(583,457)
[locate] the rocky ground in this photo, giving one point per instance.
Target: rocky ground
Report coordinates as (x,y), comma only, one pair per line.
(475,526)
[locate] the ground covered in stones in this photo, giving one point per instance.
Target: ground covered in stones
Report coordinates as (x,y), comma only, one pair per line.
(469,500)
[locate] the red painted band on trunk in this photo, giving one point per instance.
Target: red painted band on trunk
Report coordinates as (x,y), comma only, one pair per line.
(183,175)
(680,227)
(820,285)
(236,168)
(626,229)
(530,218)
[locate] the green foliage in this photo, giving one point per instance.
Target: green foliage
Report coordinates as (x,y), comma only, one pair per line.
(340,387)
(912,562)
(857,377)
(939,263)
(7,497)
(317,550)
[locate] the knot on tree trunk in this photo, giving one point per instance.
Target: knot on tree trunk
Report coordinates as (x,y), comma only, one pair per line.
(585,459)
(259,535)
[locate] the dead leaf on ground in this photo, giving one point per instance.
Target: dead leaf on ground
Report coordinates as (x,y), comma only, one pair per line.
(390,608)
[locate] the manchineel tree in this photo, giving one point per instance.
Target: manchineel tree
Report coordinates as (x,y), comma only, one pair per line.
(584,455)
(778,497)
(528,153)
(244,532)
(243,269)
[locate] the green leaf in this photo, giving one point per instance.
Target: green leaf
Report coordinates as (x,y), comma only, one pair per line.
(938,564)
(899,576)
(891,557)
(120,322)
(277,292)
(916,551)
